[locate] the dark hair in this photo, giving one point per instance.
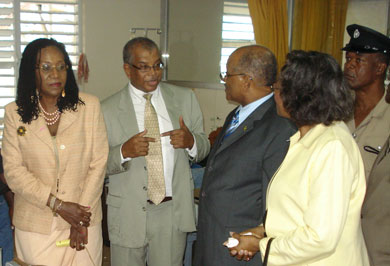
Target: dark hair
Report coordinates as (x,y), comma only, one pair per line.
(130,45)
(27,98)
(260,62)
(314,90)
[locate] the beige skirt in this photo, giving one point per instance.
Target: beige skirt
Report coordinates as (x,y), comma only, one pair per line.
(39,249)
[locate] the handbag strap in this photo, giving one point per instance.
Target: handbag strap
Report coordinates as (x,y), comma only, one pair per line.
(267,251)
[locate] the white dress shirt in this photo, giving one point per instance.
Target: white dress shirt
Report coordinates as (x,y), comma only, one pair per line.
(165,124)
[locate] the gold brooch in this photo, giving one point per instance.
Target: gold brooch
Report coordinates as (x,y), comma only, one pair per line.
(21,131)
(245,128)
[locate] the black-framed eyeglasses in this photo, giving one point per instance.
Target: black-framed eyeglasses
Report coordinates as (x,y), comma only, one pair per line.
(47,68)
(146,68)
(225,75)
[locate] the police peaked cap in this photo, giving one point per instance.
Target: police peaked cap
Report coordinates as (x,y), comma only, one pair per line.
(366,40)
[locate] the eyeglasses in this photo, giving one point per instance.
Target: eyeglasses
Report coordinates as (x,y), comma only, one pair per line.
(47,68)
(225,75)
(146,68)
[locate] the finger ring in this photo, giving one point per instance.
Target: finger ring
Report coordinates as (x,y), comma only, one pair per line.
(82,245)
(81,223)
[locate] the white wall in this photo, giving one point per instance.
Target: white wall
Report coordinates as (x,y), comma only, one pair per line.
(107,25)
(195,40)
(370,13)
(106,30)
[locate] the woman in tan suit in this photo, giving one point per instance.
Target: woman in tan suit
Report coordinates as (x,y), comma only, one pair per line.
(55,151)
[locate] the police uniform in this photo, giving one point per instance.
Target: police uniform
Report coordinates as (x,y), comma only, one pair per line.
(373,131)
(372,136)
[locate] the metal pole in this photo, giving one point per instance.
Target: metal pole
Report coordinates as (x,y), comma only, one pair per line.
(164,36)
(290,15)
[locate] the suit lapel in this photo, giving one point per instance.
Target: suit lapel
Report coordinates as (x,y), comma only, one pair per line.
(126,116)
(67,119)
(172,108)
(39,128)
(171,105)
(245,127)
(221,135)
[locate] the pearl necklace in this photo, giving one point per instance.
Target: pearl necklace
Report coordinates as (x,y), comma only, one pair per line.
(49,120)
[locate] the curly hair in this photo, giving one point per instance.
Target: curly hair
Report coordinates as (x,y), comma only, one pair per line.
(27,98)
(314,90)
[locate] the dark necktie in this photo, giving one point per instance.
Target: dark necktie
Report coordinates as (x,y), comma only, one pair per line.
(233,124)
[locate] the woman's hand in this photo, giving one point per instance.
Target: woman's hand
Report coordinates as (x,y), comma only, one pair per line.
(78,240)
(248,244)
(76,215)
(256,231)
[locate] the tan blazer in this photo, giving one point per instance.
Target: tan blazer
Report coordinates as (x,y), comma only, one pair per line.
(30,165)
(376,210)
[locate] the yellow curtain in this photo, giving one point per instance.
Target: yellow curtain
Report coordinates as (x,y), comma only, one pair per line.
(319,25)
(269,19)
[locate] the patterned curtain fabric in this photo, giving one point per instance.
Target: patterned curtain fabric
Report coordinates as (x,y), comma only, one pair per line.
(319,25)
(269,18)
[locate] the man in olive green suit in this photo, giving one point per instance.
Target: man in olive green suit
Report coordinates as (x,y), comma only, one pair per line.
(142,229)
(376,207)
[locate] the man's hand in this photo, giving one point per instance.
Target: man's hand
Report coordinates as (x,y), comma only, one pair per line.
(180,138)
(247,247)
(137,145)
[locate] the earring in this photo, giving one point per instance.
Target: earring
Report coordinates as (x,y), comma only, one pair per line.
(63,93)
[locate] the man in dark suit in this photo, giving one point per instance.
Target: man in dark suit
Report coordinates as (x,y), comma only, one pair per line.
(247,152)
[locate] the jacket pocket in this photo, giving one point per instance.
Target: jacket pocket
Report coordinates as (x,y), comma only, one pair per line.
(113,217)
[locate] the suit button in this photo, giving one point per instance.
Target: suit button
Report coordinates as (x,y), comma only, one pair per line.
(63,192)
(62,147)
(145,188)
(210,168)
(354,135)
(143,208)
(145,168)
(203,194)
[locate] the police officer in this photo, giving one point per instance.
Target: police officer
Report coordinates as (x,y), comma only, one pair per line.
(367,59)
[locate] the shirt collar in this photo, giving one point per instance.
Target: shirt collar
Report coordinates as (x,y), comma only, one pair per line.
(380,109)
(138,95)
(246,110)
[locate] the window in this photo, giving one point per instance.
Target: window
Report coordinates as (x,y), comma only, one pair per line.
(237,29)
(24,21)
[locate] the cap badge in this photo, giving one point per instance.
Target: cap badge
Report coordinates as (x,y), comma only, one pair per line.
(356,34)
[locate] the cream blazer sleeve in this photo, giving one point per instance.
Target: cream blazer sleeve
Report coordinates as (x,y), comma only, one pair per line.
(330,180)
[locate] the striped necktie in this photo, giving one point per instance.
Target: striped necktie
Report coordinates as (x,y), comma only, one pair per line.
(233,124)
(154,159)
